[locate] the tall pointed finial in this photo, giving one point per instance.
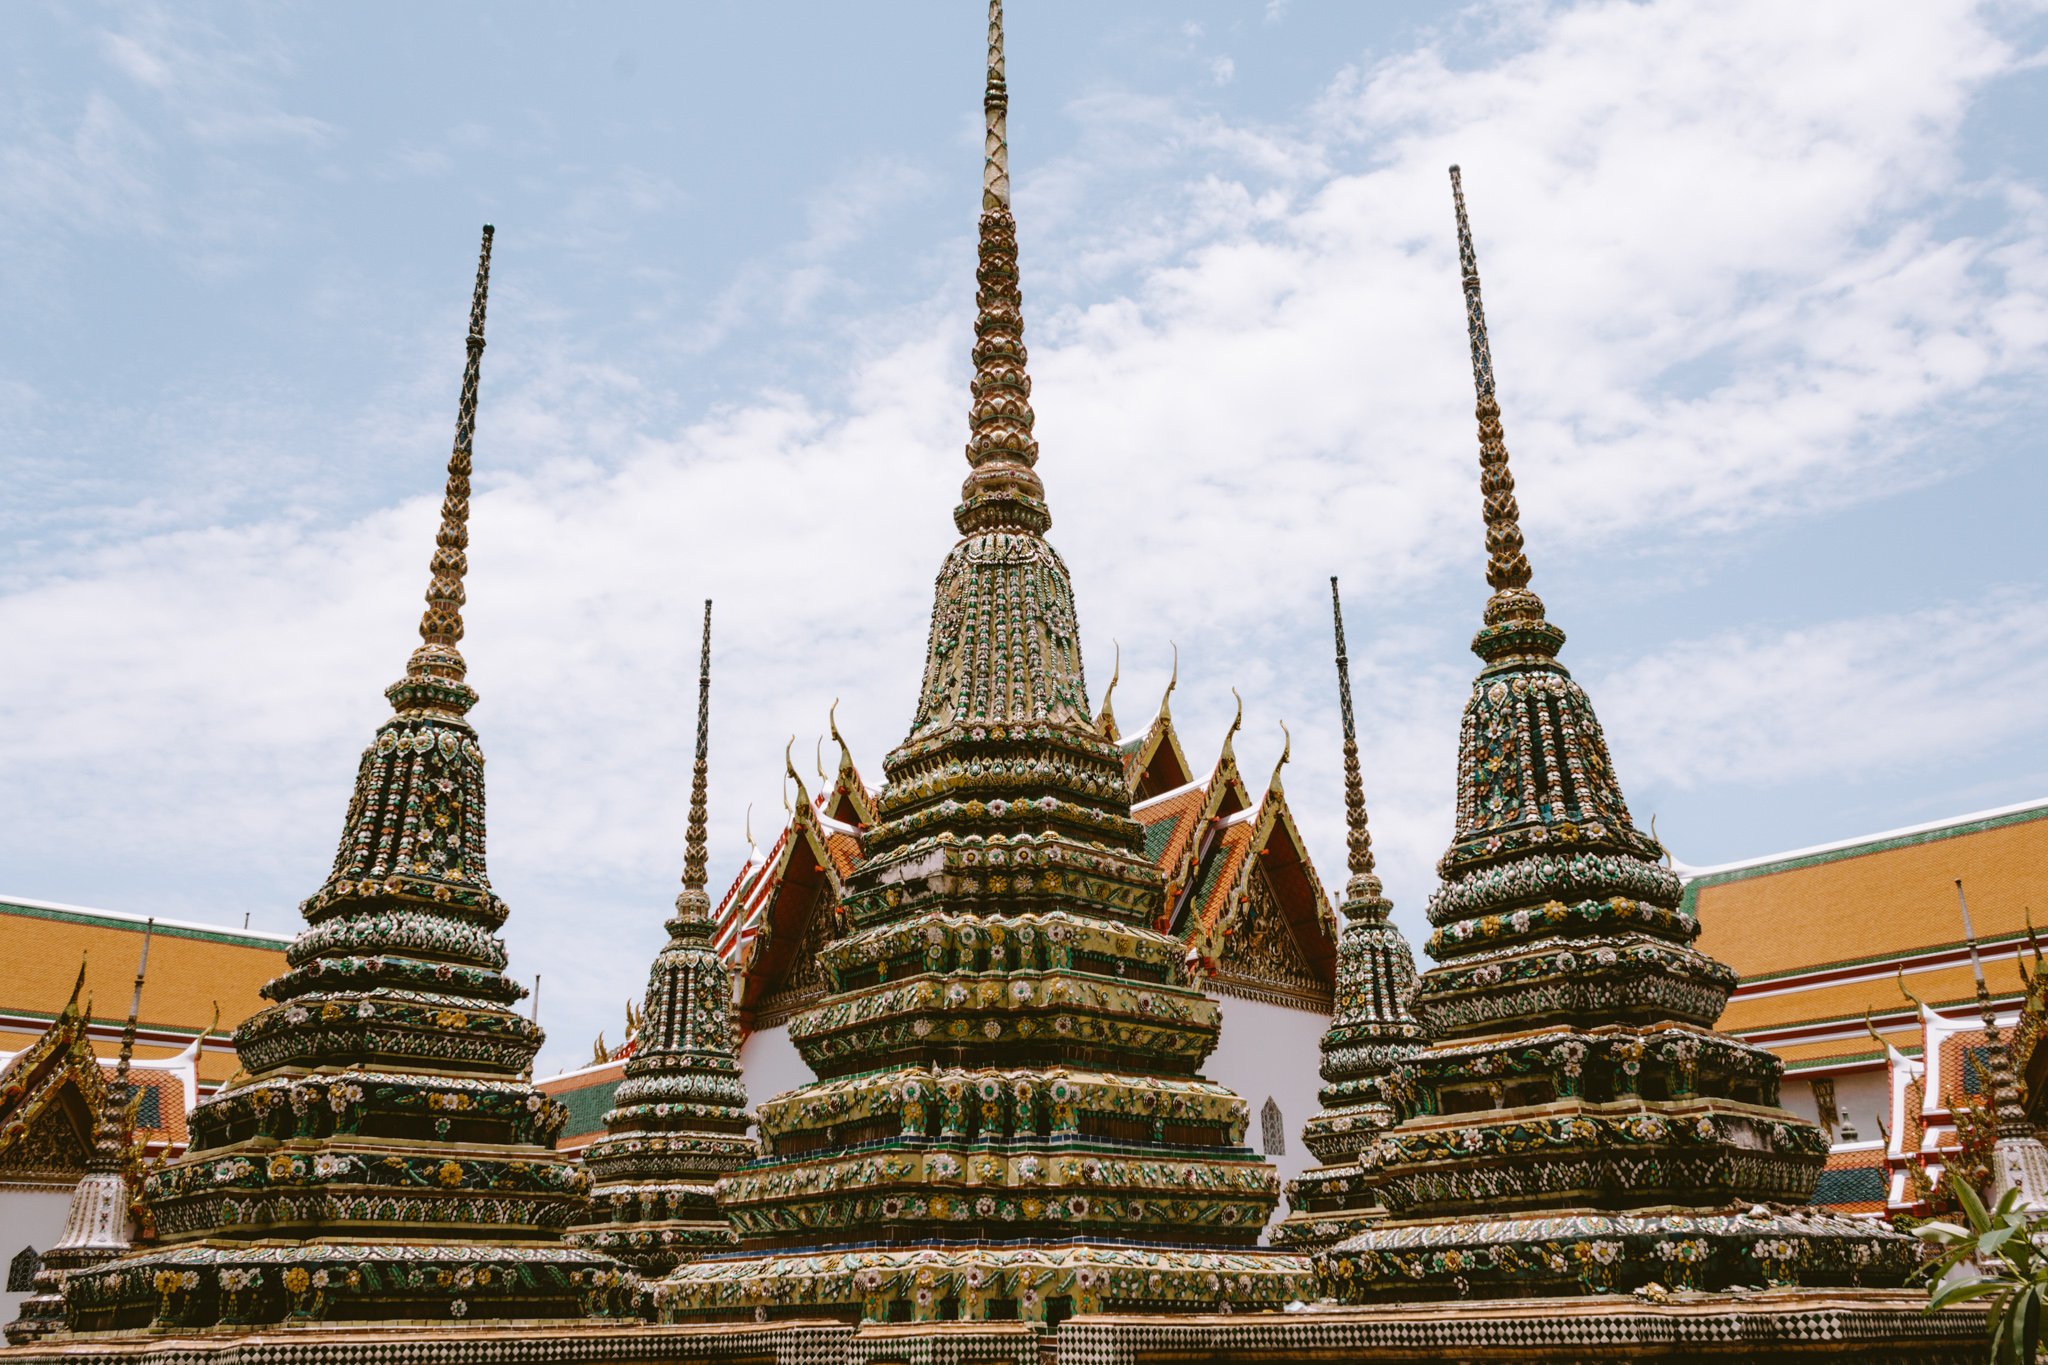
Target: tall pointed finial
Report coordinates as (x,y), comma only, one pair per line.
(441,626)
(1507,566)
(134,1006)
(1236,721)
(1002,493)
(696,843)
(995,107)
(750,827)
(1286,750)
(1364,887)
(1173,678)
(832,724)
(1105,718)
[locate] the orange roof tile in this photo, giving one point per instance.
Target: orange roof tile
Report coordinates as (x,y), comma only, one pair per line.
(1888,896)
(191,967)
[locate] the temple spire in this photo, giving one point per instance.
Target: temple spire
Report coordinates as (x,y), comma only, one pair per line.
(696,843)
(1364,886)
(1001,493)
(995,106)
(441,625)
(134,1007)
(1507,566)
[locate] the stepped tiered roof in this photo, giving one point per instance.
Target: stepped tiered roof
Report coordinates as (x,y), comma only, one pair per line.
(1373,1034)
(1009,1118)
(679,1120)
(1576,1123)
(383,1153)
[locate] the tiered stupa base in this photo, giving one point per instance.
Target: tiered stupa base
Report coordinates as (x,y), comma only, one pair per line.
(1649,1251)
(248,1284)
(657,1227)
(1038,1283)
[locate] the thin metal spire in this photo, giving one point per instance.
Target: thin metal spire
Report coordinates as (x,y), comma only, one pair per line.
(441,625)
(1358,840)
(1002,492)
(1507,566)
(134,1006)
(696,843)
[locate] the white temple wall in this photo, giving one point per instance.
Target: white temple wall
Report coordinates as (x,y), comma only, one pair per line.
(770,1065)
(1271,1052)
(29,1217)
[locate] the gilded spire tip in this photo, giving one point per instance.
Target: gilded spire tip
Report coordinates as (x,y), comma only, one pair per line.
(1363,890)
(1507,565)
(696,842)
(439,655)
(995,103)
(1002,492)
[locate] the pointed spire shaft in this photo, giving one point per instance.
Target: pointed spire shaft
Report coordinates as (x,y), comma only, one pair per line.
(1002,492)
(1507,567)
(1357,839)
(441,624)
(995,106)
(696,843)
(134,1006)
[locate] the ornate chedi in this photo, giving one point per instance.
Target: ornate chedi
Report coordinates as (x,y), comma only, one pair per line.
(679,1119)
(1008,1119)
(99,1224)
(1372,1034)
(382,1154)
(1576,1124)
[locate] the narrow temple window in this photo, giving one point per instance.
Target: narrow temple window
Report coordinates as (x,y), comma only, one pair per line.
(21,1271)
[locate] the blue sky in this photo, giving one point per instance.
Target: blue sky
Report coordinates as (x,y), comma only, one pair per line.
(1769,298)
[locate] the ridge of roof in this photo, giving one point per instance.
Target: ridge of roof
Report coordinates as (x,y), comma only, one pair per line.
(1182,790)
(177,928)
(1950,826)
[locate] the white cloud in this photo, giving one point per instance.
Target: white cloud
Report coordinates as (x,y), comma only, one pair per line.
(1839,700)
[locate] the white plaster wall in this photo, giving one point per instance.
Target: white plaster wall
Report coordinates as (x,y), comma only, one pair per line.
(1271,1050)
(770,1065)
(28,1218)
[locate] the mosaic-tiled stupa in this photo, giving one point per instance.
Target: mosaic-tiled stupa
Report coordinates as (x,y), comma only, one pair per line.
(1576,1125)
(382,1154)
(1371,1034)
(1008,1120)
(679,1119)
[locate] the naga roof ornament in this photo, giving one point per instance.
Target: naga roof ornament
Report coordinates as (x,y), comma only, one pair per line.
(382,1152)
(1009,1119)
(679,1119)
(1575,1124)
(1372,1033)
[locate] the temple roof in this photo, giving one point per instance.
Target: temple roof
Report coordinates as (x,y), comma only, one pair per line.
(1209,836)
(193,967)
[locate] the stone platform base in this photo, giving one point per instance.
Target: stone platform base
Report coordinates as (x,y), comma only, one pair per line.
(1560,1254)
(980,1283)
(247,1286)
(1862,1327)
